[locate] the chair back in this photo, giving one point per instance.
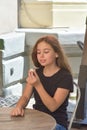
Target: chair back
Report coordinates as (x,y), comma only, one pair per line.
(76,102)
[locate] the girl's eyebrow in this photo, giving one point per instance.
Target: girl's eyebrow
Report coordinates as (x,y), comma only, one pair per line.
(44,49)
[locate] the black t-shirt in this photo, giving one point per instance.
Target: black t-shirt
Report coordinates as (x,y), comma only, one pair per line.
(61,79)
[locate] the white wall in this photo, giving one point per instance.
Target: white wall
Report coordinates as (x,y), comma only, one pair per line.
(70,15)
(8,15)
(64,15)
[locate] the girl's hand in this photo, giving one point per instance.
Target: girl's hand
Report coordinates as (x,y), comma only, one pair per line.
(17,111)
(33,78)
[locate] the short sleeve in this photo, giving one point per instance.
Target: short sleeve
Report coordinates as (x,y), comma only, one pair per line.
(66,82)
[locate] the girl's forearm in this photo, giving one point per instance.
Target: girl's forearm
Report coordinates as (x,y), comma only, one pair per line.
(23,101)
(48,101)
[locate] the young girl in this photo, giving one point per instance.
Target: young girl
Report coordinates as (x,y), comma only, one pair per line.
(51,81)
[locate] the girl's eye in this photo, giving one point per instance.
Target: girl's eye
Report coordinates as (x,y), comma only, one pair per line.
(46,51)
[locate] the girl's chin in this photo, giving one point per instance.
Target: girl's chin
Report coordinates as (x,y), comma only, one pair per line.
(44,65)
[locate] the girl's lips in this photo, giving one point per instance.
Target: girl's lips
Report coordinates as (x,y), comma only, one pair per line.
(42,61)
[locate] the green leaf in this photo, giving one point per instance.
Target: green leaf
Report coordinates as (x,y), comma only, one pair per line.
(1,44)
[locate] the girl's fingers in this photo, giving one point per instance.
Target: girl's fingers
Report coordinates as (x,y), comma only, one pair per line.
(22,113)
(17,112)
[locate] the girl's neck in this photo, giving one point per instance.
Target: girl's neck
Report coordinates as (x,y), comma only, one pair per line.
(49,71)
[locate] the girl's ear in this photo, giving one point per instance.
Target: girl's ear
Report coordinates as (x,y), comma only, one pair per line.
(57,55)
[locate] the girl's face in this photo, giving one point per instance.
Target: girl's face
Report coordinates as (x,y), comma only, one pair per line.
(45,54)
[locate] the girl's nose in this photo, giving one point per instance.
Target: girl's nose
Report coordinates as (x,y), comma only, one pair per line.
(42,54)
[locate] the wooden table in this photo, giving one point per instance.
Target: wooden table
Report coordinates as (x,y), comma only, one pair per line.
(33,120)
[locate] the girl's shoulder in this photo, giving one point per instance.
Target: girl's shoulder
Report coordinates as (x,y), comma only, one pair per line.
(64,72)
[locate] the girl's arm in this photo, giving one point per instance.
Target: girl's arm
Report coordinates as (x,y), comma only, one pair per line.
(52,103)
(23,101)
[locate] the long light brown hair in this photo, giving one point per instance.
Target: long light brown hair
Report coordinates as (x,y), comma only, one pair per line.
(61,61)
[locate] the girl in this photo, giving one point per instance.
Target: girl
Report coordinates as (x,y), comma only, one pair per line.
(51,81)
